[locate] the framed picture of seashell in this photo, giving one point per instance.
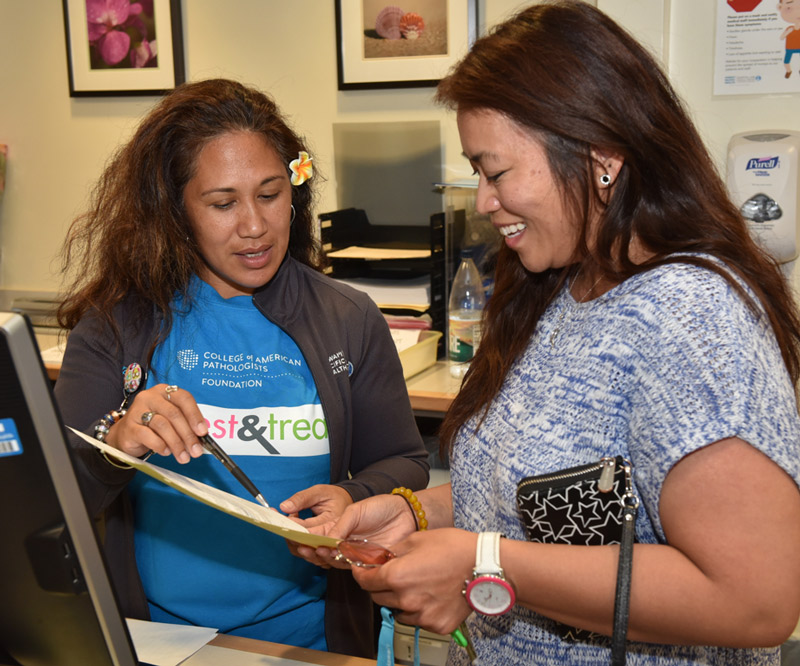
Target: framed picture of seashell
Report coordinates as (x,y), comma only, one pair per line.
(405,45)
(123,47)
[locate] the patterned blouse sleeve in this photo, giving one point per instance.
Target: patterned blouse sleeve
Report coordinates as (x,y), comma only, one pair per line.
(711,369)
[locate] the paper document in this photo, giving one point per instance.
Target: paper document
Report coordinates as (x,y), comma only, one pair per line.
(419,322)
(167,644)
(413,293)
(404,338)
(358,252)
(268,519)
(53,354)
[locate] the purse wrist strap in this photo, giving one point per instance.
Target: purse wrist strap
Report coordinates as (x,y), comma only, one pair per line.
(623,593)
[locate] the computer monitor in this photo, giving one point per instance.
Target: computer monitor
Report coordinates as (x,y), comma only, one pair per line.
(57,606)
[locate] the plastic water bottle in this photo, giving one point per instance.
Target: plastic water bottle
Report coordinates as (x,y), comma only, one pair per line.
(465,309)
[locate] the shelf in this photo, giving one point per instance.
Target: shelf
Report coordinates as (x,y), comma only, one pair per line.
(350,227)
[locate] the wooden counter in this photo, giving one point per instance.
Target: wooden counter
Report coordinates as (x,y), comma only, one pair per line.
(211,653)
(432,390)
(53,369)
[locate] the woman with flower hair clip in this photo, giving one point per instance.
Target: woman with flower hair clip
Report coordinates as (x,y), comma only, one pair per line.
(199,309)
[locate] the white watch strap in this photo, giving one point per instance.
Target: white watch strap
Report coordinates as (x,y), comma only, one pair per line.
(487,554)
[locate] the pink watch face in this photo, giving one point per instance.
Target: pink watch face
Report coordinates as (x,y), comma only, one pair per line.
(490,595)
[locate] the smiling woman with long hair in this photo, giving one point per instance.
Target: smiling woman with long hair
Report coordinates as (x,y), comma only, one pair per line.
(633,318)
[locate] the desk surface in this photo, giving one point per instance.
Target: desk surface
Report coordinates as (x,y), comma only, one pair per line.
(211,654)
(432,390)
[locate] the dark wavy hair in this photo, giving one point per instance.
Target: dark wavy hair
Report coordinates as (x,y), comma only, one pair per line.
(579,82)
(135,240)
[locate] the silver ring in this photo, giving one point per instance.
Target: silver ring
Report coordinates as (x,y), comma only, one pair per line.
(170,389)
(147,417)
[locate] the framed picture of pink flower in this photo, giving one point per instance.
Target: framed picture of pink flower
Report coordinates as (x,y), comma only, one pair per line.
(123,47)
(408,44)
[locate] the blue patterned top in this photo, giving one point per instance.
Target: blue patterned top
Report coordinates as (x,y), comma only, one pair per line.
(663,364)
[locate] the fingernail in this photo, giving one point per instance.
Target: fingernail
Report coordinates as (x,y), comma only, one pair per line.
(197,450)
(183,457)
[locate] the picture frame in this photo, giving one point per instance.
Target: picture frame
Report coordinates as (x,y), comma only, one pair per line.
(377,50)
(123,60)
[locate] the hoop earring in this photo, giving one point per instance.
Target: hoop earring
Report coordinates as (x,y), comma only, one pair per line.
(605,180)
(293,215)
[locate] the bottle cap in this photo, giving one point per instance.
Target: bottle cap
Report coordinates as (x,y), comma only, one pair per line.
(467,252)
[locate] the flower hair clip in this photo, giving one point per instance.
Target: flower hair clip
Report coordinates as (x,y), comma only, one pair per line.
(302,168)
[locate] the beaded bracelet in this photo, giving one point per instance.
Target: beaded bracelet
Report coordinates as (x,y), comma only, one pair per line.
(101,430)
(415,506)
(104,424)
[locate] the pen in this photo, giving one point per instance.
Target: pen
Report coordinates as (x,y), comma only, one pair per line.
(216,450)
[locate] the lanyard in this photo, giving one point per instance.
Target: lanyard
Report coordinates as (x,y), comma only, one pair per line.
(386,640)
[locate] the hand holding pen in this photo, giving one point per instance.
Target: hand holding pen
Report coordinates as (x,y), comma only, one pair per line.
(216,450)
(161,419)
(165,419)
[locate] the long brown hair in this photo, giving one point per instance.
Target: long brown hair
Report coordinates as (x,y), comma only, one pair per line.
(135,241)
(579,82)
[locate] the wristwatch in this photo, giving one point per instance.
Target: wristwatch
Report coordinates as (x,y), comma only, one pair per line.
(488,592)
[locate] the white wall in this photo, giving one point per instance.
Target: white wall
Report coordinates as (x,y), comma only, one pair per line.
(58,145)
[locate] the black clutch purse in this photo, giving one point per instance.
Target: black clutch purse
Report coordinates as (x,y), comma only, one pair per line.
(589,505)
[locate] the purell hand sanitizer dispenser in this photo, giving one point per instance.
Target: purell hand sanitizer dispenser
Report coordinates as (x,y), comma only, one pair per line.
(764,181)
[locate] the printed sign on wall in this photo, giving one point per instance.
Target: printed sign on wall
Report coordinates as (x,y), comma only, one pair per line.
(757,47)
